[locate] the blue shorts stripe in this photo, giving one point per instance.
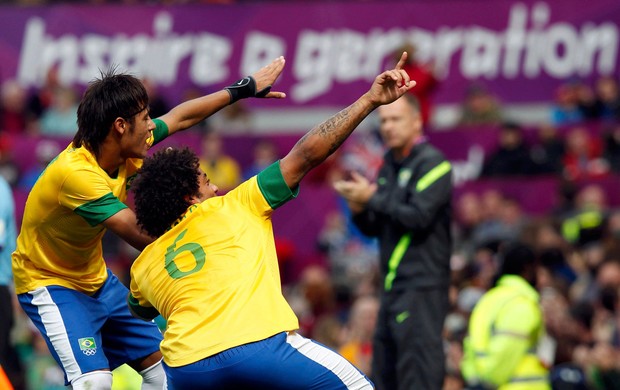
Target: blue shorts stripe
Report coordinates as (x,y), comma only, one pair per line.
(49,322)
(87,333)
(281,362)
(348,374)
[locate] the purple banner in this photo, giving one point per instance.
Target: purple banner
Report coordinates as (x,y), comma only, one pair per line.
(522,50)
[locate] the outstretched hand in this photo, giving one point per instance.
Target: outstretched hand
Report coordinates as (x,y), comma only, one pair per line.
(267,75)
(391,84)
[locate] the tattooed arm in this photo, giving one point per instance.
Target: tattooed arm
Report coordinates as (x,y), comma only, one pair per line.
(320,142)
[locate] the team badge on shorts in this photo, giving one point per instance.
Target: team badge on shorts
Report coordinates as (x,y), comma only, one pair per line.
(88,346)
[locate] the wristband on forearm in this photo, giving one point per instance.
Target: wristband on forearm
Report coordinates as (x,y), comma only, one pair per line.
(245,88)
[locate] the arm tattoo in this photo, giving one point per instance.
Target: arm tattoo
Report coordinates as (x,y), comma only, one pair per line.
(320,142)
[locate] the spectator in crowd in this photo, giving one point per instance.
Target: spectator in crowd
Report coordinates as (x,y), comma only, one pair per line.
(506,328)
(363,154)
(60,117)
(468,212)
(426,82)
(611,239)
(565,109)
(8,168)
(586,222)
(498,223)
(41,99)
(583,156)
(317,290)
(479,108)
(608,98)
(359,330)
(512,156)
(611,153)
(238,280)
(587,101)
(547,150)
(409,210)
(58,262)
(219,166)
(9,360)
(13,115)
(468,215)
(264,154)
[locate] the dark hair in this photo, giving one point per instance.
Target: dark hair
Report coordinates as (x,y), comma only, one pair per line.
(163,187)
(110,97)
(516,259)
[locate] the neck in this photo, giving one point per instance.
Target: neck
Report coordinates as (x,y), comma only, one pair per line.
(405,151)
(108,157)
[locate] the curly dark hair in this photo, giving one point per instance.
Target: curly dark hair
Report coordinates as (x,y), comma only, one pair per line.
(163,186)
(111,96)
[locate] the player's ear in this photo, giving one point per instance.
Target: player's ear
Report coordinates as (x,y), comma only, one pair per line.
(120,125)
(191,199)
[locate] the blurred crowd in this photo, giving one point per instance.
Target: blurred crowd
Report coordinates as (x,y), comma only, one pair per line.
(335,293)
(131,2)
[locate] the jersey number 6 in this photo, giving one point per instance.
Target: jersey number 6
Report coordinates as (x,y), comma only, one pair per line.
(172,252)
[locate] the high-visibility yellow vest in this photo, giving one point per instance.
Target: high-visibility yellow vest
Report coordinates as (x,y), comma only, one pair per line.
(504,330)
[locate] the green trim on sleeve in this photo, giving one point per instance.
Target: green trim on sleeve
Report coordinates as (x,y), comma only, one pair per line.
(275,190)
(160,132)
(432,176)
(145,313)
(97,211)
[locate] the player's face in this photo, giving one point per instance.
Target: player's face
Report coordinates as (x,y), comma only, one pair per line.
(136,140)
(400,125)
(206,189)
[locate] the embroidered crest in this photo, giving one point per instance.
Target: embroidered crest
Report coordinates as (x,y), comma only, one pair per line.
(403,177)
(88,346)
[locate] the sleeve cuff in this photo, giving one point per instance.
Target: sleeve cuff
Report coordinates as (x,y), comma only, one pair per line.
(144,313)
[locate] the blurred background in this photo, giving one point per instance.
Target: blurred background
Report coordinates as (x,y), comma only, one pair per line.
(522,97)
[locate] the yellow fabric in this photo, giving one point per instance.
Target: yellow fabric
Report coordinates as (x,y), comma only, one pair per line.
(214,277)
(56,245)
(224,172)
(60,238)
(126,378)
(504,330)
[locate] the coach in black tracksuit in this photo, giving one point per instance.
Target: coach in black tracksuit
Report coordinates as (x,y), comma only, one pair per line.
(409,210)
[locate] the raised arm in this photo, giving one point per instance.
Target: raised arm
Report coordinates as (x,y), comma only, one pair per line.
(191,112)
(320,142)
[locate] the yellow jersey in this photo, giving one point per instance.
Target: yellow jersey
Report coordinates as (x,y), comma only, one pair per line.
(214,274)
(60,239)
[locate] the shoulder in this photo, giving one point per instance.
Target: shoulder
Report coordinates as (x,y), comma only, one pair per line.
(73,159)
(429,151)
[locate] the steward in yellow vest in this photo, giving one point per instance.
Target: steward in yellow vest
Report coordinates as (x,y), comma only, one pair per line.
(506,325)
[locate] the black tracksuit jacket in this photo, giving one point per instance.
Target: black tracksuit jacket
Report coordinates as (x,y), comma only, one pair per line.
(413,199)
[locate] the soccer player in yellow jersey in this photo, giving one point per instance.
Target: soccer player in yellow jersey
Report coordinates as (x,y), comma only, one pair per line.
(60,276)
(212,272)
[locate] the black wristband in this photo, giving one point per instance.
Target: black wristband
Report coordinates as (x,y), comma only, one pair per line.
(245,88)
